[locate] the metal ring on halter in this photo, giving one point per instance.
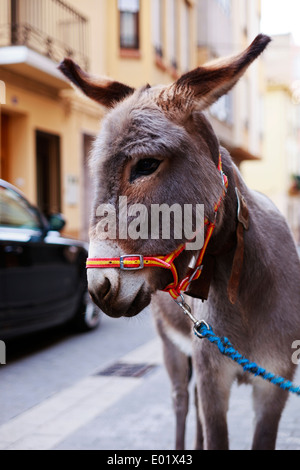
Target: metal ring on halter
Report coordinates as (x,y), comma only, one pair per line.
(198,325)
(187,310)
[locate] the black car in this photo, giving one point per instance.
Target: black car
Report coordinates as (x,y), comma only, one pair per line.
(43,279)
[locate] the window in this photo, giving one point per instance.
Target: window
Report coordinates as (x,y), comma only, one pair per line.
(15,212)
(48,172)
(129,24)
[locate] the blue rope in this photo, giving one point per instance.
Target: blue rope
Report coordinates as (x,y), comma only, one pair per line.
(225,347)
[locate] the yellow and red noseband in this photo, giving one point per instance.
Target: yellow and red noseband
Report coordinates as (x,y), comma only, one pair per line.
(137,262)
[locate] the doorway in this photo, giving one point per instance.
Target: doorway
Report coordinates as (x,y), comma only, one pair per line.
(48,172)
(4,147)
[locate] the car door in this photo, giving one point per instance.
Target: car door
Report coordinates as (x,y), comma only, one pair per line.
(40,277)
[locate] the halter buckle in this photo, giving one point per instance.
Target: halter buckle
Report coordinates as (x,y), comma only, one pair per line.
(131,268)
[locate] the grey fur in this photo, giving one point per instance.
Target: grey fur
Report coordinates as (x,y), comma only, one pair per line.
(168,122)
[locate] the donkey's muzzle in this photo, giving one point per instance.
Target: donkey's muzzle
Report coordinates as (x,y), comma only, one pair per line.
(118,292)
(116,303)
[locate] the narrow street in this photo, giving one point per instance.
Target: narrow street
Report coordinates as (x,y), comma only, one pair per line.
(58,392)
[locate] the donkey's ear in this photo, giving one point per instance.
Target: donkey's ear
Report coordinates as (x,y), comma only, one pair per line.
(205,85)
(103,90)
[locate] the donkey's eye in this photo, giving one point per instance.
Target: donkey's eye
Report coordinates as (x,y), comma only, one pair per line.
(144,167)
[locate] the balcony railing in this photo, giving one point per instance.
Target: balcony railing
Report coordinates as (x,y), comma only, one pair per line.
(50,27)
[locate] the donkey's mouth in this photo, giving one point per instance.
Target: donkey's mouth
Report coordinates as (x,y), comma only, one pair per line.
(141,301)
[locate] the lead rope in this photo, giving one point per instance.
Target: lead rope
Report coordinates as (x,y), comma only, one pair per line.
(204,331)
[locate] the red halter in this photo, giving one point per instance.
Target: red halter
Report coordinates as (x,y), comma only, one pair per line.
(136,262)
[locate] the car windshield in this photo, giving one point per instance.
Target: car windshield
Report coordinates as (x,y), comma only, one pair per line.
(16,212)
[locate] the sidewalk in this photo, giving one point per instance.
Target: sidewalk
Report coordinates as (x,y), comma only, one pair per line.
(128,413)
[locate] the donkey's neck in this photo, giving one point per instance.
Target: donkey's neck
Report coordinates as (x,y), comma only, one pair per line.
(227,245)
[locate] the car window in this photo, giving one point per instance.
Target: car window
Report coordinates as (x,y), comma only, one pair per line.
(16,212)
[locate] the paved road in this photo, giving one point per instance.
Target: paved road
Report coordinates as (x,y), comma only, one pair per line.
(54,397)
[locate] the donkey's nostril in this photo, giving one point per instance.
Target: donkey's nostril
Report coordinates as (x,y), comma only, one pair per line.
(93,297)
(101,293)
(105,288)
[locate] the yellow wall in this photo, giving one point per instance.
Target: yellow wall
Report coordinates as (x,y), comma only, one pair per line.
(31,106)
(142,69)
(134,70)
(270,174)
(30,112)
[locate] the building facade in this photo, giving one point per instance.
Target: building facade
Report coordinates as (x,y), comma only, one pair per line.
(225,28)
(277,174)
(46,127)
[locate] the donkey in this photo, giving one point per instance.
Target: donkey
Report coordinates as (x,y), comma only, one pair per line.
(156,146)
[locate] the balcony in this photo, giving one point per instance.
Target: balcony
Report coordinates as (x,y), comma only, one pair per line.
(40,33)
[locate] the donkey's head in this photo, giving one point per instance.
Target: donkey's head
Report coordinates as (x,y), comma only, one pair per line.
(155,147)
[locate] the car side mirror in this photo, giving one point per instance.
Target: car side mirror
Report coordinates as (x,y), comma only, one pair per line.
(56,222)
